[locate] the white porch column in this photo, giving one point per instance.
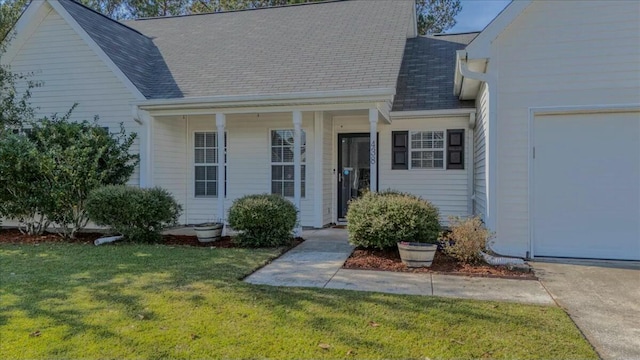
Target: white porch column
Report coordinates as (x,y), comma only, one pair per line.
(220,124)
(318,162)
(373,149)
(297,167)
(146,149)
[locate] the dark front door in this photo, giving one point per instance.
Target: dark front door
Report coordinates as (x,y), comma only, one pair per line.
(354,168)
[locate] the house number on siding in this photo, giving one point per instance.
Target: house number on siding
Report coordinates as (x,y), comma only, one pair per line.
(373,152)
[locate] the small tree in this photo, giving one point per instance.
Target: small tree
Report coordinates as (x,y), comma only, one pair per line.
(80,157)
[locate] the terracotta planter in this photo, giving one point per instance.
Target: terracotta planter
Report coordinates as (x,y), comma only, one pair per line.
(415,254)
(209,232)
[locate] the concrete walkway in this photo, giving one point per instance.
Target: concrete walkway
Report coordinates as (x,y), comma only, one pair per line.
(602,298)
(318,263)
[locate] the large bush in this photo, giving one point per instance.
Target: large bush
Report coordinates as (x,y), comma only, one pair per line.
(25,190)
(467,238)
(380,220)
(83,157)
(263,220)
(138,214)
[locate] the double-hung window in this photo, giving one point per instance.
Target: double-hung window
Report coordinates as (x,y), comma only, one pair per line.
(206,161)
(282,173)
(427,149)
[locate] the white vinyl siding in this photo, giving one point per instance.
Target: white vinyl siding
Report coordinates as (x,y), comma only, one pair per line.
(282,167)
(71,72)
(248,161)
(555,53)
(170,161)
(426,149)
(448,190)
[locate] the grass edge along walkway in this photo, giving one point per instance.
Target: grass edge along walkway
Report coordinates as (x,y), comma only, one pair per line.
(154,301)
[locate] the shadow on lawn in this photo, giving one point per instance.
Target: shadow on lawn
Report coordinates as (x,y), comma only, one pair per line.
(52,286)
(46,282)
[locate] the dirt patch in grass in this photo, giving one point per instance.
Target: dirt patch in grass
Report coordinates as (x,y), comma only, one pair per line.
(14,236)
(389,260)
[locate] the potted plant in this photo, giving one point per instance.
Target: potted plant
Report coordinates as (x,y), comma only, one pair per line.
(417,254)
(209,232)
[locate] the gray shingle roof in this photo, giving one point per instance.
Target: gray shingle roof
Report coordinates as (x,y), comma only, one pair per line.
(134,54)
(426,76)
(317,47)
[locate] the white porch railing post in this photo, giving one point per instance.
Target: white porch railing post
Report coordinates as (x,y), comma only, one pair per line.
(297,167)
(220,124)
(373,149)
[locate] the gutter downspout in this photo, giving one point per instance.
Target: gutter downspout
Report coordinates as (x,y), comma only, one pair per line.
(491,141)
(472,164)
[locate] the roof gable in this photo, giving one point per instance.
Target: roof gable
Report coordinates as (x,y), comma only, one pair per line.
(132,52)
(332,46)
(480,46)
(427,73)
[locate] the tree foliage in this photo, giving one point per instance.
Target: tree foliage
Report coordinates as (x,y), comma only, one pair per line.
(436,16)
(10,11)
(46,175)
(24,188)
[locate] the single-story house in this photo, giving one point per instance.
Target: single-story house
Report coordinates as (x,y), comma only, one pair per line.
(532,124)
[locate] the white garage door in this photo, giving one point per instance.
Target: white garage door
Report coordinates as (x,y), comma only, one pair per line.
(586,186)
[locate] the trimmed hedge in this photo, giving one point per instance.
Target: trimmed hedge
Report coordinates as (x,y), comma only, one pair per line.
(263,220)
(380,220)
(138,214)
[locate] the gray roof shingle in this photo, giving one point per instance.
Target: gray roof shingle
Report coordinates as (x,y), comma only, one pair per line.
(343,45)
(340,45)
(426,77)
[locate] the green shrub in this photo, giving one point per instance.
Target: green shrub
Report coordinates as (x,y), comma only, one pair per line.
(81,157)
(467,238)
(380,220)
(25,190)
(138,214)
(263,220)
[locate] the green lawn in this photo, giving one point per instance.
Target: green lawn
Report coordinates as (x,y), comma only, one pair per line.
(145,301)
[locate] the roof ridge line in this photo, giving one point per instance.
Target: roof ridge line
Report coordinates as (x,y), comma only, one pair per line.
(458,33)
(308,2)
(106,17)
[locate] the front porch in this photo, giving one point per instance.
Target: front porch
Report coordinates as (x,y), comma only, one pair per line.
(304,153)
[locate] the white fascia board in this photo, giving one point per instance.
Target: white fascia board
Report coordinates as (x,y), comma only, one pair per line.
(249,109)
(431,113)
(24,28)
(468,76)
(413,23)
(480,47)
(96,48)
(263,99)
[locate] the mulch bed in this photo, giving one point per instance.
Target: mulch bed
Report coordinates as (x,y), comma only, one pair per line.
(389,260)
(14,236)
